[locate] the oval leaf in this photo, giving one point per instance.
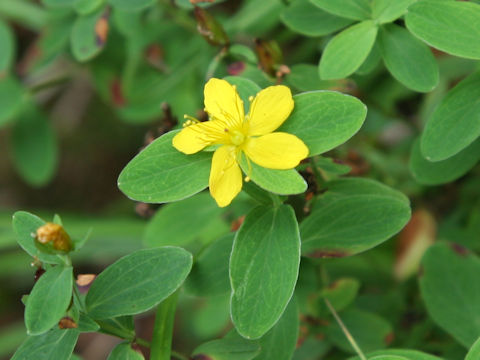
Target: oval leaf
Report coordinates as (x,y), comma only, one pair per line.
(350,9)
(347,51)
(209,276)
(281,182)
(49,299)
(138,282)
(280,342)
(325,119)
(442,172)
(55,344)
(408,59)
(450,26)
(455,124)
(167,227)
(384,11)
(34,147)
(89,35)
(25,226)
(7,45)
(11,99)
(449,281)
(353,216)
(161,173)
(305,18)
(266,253)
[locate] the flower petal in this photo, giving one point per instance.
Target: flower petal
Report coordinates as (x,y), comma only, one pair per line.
(270,108)
(194,138)
(222,102)
(225,176)
(276,151)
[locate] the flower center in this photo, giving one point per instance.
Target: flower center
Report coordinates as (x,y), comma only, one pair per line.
(237,137)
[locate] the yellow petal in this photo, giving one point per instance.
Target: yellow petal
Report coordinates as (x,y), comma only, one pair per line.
(194,138)
(222,102)
(276,151)
(225,176)
(270,108)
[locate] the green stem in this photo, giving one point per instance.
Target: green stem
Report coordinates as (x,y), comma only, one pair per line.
(163,329)
(111,330)
(25,13)
(142,342)
(347,333)
(179,356)
(212,67)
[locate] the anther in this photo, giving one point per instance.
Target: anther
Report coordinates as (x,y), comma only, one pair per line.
(250,98)
(247,178)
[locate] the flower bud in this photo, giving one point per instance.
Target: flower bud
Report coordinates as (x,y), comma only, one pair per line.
(55,236)
(210,28)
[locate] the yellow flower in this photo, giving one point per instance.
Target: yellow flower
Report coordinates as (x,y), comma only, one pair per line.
(251,135)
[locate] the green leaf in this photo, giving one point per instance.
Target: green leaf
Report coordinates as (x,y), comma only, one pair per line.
(357,322)
(354,215)
(86,324)
(58,3)
(12,97)
(404,353)
(137,282)
(474,352)
(449,281)
(49,300)
(34,147)
(450,26)
(85,7)
(266,253)
(124,351)
(280,342)
(325,119)
(209,276)
(7,44)
(305,77)
(442,172)
(129,5)
(25,226)
(228,348)
(55,344)
(455,123)
(408,59)
(341,293)
(350,9)
(371,62)
(347,51)
(161,173)
(85,42)
(167,227)
(282,182)
(385,11)
(305,18)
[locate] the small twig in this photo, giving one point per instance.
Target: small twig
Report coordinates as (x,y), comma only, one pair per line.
(347,333)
